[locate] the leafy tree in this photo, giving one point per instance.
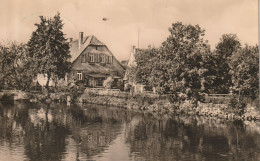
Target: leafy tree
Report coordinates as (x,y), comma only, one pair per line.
(218,77)
(245,71)
(15,64)
(49,49)
(4,61)
(145,60)
(180,65)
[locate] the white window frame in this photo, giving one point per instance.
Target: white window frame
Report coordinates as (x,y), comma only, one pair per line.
(110,59)
(79,75)
(102,58)
(92,57)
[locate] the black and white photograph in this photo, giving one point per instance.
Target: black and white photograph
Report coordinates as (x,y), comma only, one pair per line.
(129,80)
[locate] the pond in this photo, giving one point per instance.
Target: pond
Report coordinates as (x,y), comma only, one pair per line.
(55,131)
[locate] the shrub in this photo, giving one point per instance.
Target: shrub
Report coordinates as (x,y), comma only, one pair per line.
(127,87)
(108,83)
(7,97)
(237,106)
(76,91)
(119,84)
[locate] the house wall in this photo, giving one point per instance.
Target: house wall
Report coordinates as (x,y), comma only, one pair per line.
(118,66)
(79,65)
(95,68)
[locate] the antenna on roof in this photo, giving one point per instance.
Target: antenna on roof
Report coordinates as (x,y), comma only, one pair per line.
(138,35)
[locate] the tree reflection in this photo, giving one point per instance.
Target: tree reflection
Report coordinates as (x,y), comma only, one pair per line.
(181,138)
(44,128)
(51,131)
(95,127)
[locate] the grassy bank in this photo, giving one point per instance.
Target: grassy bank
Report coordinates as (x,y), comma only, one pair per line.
(163,104)
(234,110)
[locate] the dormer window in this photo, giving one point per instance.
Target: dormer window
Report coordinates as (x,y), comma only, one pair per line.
(110,59)
(96,58)
(91,58)
(102,58)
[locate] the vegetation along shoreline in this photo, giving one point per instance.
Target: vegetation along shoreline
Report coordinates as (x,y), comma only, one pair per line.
(176,77)
(162,104)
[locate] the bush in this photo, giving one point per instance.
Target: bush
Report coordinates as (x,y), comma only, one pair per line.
(7,97)
(76,91)
(127,87)
(119,84)
(237,106)
(108,83)
(172,98)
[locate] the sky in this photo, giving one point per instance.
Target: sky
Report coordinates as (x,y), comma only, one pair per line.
(126,19)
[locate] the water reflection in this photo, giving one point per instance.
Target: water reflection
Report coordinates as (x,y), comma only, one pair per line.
(87,132)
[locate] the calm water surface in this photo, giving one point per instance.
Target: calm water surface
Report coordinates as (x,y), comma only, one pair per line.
(36,131)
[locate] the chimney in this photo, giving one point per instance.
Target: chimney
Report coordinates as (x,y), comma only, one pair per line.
(80,39)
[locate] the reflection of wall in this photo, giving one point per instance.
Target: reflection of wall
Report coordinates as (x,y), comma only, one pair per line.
(97,129)
(92,129)
(172,139)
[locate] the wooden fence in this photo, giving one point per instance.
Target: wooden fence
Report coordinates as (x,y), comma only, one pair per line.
(207,98)
(218,98)
(117,93)
(225,98)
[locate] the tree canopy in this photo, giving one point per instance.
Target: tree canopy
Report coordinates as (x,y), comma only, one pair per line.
(49,48)
(227,46)
(16,71)
(183,53)
(184,63)
(177,65)
(245,71)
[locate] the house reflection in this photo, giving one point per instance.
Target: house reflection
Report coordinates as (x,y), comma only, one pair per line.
(44,129)
(57,132)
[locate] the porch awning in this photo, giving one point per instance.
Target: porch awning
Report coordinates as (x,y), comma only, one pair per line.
(97,75)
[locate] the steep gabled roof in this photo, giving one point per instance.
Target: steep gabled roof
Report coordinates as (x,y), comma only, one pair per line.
(95,41)
(75,50)
(95,68)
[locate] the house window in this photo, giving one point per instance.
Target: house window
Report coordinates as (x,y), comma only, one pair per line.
(110,59)
(96,57)
(79,75)
(102,58)
(99,82)
(91,58)
(83,58)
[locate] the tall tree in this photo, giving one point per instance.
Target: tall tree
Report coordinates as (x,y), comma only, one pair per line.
(181,59)
(245,71)
(49,48)
(145,60)
(219,72)
(15,64)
